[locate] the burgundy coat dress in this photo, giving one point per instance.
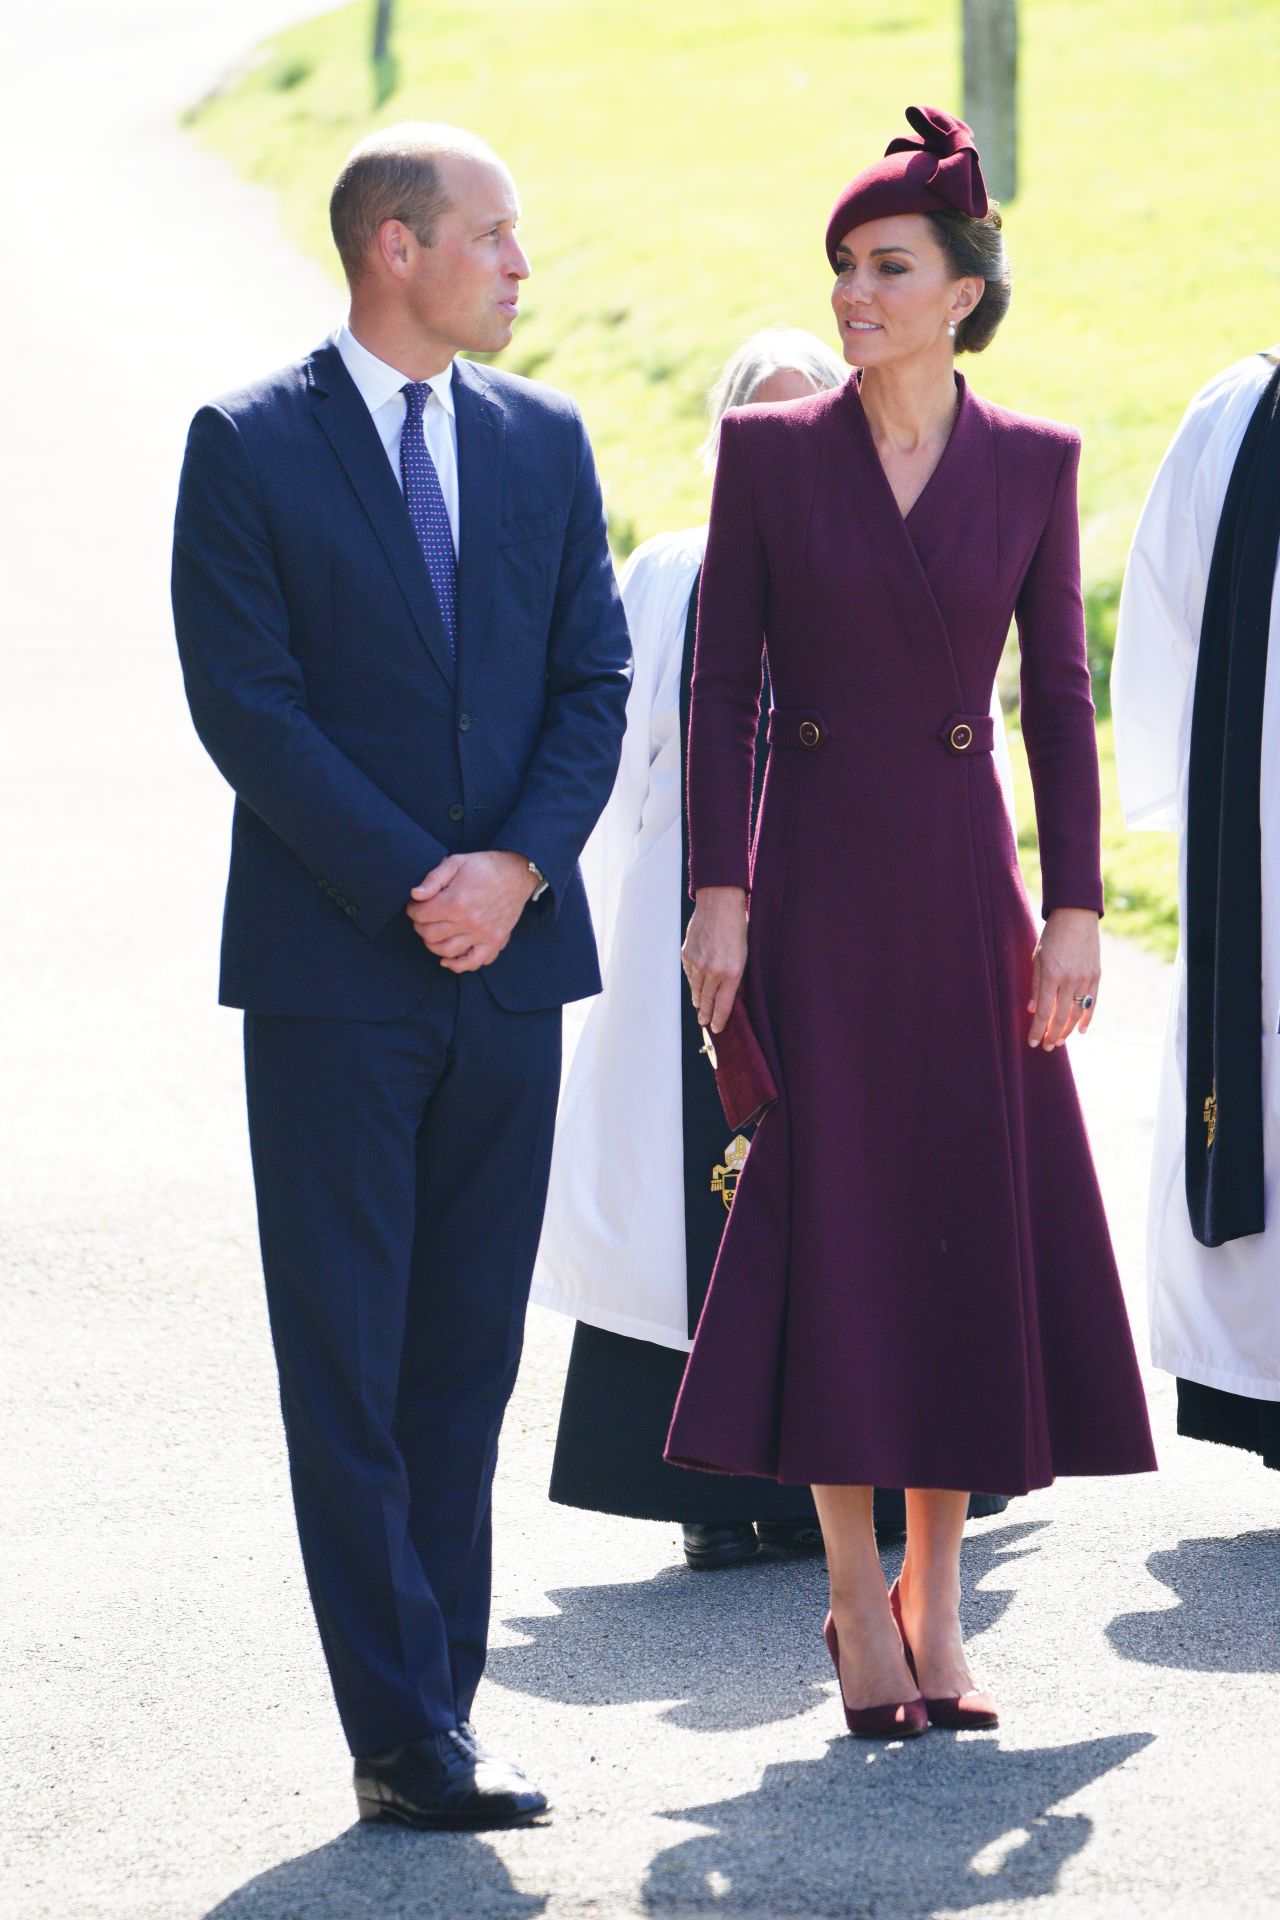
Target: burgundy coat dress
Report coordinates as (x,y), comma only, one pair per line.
(916,1285)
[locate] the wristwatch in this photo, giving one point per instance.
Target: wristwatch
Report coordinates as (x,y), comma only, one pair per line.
(541,879)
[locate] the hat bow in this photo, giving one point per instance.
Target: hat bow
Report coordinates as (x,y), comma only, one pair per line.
(957,173)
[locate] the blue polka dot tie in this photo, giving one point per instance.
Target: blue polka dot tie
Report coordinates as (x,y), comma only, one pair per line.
(426,506)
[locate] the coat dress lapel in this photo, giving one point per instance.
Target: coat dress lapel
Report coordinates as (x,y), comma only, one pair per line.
(350,430)
(955,529)
(908,542)
(481,439)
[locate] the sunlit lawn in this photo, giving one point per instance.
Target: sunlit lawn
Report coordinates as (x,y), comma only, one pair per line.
(677,164)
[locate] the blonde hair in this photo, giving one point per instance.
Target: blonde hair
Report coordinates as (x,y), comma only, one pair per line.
(773,350)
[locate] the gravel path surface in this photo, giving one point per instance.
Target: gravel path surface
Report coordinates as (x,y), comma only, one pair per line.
(171,1747)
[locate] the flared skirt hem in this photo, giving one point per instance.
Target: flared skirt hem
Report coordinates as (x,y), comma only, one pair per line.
(832,1472)
(618,1399)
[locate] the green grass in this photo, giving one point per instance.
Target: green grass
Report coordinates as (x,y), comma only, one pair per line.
(677,163)
(1139,870)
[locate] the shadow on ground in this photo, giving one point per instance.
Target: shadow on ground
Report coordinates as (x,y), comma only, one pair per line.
(1225,1619)
(938,1825)
(382,1872)
(681,1636)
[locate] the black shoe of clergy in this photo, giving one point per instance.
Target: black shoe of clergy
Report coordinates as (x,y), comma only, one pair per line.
(706,1547)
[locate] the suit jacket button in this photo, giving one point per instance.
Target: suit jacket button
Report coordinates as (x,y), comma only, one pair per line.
(350,911)
(456,811)
(464,722)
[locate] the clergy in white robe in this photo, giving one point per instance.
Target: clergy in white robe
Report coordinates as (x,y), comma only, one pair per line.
(613,1242)
(1215,1310)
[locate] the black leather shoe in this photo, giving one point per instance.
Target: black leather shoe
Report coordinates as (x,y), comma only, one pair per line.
(790,1536)
(706,1548)
(983,1505)
(442,1780)
(888,1514)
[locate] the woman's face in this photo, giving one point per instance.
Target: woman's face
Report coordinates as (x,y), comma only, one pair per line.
(784,383)
(894,295)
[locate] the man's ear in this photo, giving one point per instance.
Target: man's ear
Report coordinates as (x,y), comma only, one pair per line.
(394,246)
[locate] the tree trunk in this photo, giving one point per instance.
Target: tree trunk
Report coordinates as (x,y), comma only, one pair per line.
(382,31)
(991,89)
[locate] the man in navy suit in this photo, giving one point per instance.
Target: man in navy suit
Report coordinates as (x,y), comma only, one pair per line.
(403,647)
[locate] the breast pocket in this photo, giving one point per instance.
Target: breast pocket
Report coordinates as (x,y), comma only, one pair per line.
(531,526)
(529,550)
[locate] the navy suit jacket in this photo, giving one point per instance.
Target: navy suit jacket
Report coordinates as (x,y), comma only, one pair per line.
(321,681)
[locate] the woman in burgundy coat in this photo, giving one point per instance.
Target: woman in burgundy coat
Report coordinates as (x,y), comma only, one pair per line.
(916,1285)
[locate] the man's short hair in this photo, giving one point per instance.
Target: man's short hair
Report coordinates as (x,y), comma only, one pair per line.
(395,175)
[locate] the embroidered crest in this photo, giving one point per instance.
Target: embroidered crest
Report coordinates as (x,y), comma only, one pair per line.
(724,1178)
(1211,1115)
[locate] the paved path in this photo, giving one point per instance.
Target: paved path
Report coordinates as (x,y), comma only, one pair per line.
(170,1748)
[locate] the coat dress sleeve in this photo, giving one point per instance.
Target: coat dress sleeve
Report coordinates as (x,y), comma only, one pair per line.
(1058,722)
(727,676)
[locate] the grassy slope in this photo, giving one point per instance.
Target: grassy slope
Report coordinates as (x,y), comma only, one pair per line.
(677,163)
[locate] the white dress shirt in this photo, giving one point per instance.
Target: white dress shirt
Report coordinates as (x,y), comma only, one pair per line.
(379,387)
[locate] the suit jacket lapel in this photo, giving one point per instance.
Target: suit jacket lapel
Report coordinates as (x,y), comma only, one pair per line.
(481,424)
(346,421)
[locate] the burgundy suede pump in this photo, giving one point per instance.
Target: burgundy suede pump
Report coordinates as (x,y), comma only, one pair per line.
(896,1720)
(965,1712)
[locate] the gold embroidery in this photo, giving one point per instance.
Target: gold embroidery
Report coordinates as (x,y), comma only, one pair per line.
(1211,1115)
(724,1178)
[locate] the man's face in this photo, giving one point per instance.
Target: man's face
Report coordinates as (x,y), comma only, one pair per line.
(464,291)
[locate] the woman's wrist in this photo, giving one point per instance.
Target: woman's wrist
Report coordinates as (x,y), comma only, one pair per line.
(720,896)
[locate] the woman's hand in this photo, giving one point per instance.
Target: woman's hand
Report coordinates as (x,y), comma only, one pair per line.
(715,953)
(1066,969)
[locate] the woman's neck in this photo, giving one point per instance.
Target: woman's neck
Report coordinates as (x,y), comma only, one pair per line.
(909,406)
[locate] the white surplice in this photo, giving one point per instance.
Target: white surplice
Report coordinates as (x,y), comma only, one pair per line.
(1215,1311)
(613,1246)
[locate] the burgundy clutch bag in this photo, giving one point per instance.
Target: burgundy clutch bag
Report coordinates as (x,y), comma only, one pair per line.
(743,1080)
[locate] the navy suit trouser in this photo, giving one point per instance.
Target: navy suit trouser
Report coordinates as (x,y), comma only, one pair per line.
(401,1171)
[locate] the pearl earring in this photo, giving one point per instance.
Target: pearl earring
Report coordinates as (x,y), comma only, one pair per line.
(951,329)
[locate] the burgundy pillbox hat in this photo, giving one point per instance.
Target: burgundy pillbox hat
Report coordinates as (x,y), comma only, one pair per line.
(937,173)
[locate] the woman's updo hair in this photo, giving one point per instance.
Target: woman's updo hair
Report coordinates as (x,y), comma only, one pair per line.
(976,246)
